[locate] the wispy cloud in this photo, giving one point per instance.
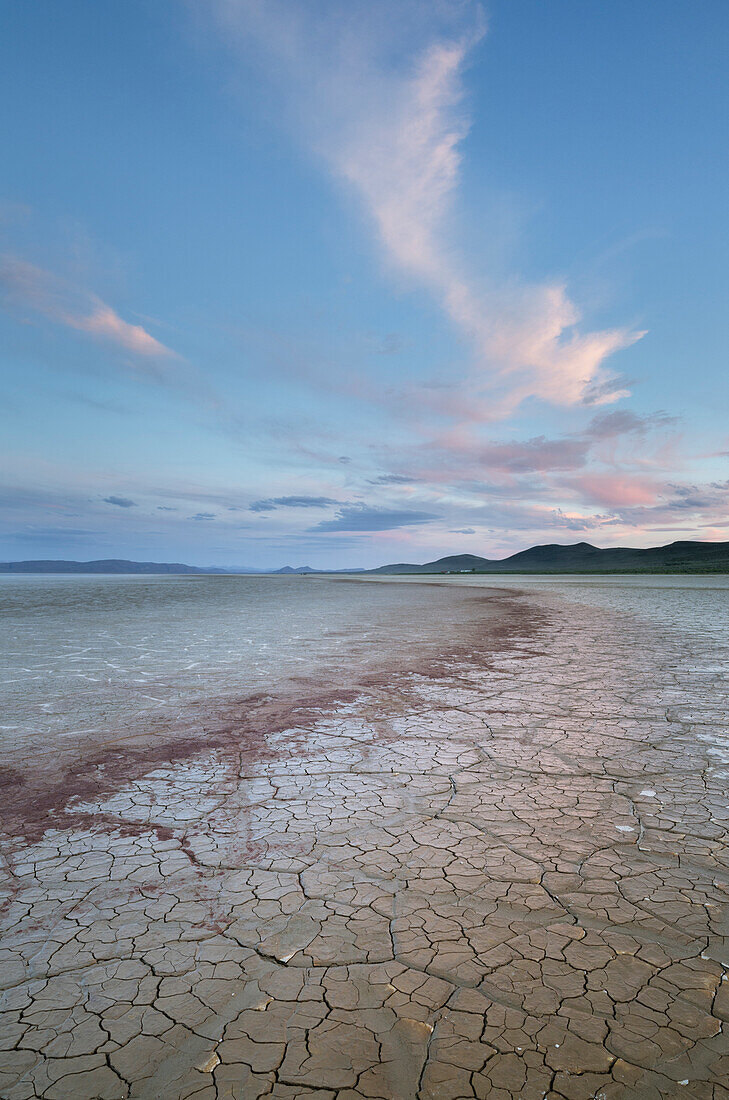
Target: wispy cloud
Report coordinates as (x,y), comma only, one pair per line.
(393,479)
(392,130)
(271,503)
(389,344)
(617,441)
(609,425)
(361,517)
(405,168)
(523,456)
(121,502)
(28,287)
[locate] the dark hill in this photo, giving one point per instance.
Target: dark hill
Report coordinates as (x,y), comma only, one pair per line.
(106,565)
(582,557)
(454,563)
(578,557)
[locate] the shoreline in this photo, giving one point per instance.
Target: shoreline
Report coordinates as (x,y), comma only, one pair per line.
(503,874)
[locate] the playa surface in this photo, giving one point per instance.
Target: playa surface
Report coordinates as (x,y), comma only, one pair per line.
(498,871)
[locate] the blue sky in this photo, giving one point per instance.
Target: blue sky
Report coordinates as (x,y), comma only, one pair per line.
(347,283)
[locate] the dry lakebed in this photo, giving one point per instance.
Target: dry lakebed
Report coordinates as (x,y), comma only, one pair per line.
(495,869)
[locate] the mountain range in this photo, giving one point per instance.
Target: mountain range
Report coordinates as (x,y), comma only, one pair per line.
(579,557)
(582,557)
(105,565)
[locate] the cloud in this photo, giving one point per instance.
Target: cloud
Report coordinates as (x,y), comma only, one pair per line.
(203,516)
(390,344)
(95,403)
(39,499)
(198,494)
(290,502)
(624,422)
(533,455)
(603,391)
(618,490)
(534,520)
(120,502)
(360,517)
(393,479)
(30,287)
(461,458)
(103,321)
(52,534)
(463,531)
(388,117)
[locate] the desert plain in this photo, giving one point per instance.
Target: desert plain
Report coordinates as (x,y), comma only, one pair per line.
(500,875)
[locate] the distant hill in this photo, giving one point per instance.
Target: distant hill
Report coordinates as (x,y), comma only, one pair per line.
(120,565)
(105,565)
(456,563)
(578,557)
(582,557)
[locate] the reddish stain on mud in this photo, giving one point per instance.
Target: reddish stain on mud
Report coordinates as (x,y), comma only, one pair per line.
(33,802)
(238,733)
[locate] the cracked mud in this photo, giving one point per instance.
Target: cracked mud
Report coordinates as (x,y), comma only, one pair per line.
(507,878)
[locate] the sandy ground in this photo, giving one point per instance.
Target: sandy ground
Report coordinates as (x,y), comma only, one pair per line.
(503,878)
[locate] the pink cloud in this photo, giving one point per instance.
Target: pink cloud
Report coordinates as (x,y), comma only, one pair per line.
(104,322)
(392,132)
(528,345)
(538,454)
(31,287)
(617,490)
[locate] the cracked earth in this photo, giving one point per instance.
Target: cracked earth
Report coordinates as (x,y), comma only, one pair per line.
(504,878)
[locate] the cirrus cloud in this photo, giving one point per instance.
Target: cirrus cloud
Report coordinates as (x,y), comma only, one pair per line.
(29,287)
(392,132)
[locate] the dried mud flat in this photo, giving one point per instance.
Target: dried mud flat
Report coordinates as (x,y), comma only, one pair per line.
(506,878)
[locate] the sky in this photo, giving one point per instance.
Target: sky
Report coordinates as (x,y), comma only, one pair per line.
(303,282)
